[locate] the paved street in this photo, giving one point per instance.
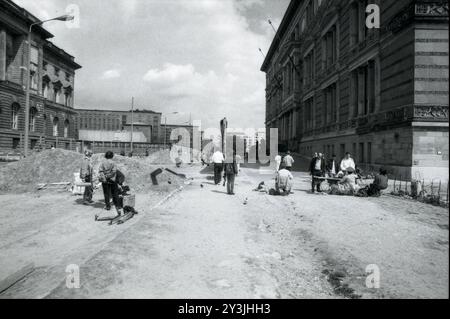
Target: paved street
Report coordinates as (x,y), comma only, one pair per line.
(203,243)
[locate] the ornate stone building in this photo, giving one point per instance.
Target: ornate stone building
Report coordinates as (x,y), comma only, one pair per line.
(52,84)
(334,85)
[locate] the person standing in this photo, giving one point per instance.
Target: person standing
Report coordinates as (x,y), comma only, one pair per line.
(277,162)
(107,176)
(317,169)
(347,162)
(230,172)
(217,159)
(283,182)
(288,161)
(332,166)
(86,176)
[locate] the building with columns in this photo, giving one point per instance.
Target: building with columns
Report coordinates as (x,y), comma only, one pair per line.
(336,86)
(52,84)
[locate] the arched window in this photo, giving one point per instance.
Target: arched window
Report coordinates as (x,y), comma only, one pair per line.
(33,113)
(15,116)
(66,128)
(55,126)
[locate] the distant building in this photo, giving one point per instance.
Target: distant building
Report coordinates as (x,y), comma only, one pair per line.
(145,121)
(52,85)
(334,85)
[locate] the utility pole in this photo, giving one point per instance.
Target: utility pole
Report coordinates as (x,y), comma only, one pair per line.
(132,123)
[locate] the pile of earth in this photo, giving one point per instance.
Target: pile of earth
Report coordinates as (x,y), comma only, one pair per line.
(55,166)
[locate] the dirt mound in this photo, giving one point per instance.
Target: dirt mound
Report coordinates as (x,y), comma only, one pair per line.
(54,166)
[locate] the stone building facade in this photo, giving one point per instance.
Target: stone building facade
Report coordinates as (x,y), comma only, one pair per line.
(52,84)
(334,85)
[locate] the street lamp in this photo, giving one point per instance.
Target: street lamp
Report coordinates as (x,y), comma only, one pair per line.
(27,92)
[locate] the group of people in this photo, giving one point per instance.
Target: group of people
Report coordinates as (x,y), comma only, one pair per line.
(347,180)
(111,178)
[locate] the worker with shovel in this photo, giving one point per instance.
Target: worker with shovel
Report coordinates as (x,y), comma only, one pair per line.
(107,176)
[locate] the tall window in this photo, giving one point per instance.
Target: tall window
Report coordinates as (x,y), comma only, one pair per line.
(45,88)
(309,68)
(34,62)
(66,128)
(330,105)
(363,81)
(68,96)
(55,126)
(309,114)
(15,116)
(33,113)
(358,30)
(329,48)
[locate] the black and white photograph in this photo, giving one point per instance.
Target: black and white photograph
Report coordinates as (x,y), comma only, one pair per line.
(195,150)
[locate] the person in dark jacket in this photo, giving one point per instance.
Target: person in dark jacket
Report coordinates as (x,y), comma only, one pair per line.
(380,183)
(108,177)
(230,172)
(317,169)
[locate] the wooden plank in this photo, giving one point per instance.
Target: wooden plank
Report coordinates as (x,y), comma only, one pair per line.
(12,279)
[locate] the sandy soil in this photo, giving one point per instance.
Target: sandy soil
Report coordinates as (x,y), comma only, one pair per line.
(203,243)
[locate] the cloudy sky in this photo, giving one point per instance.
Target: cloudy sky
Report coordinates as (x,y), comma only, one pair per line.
(185,56)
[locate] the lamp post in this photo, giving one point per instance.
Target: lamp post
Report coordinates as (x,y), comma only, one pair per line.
(27,90)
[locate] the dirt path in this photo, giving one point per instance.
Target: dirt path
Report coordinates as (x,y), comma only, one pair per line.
(203,243)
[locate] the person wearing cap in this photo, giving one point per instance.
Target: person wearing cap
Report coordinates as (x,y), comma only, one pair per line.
(288,161)
(86,176)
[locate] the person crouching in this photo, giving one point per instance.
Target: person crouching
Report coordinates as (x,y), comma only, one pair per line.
(283,181)
(107,176)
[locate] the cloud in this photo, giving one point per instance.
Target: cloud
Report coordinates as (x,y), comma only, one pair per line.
(111,74)
(190,56)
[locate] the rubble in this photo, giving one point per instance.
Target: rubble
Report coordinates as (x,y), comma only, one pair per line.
(55,166)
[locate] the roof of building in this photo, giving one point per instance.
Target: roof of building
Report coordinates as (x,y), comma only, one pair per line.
(117,111)
(287,18)
(70,59)
(26,16)
(30,19)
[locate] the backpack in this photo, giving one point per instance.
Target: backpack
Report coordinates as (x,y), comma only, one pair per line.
(229,169)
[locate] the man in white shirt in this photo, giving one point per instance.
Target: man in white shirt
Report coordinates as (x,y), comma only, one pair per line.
(347,162)
(288,161)
(217,159)
(283,181)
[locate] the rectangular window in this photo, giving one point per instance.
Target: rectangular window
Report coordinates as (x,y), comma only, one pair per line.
(369,153)
(361,153)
